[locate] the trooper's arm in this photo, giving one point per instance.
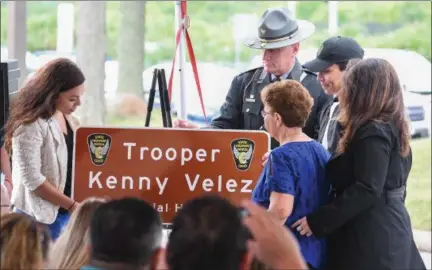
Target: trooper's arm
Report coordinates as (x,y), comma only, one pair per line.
(231,110)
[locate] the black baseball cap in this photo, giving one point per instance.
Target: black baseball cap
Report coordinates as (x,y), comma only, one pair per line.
(335,50)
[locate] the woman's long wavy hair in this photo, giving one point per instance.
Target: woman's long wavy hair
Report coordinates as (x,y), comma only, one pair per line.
(24,242)
(70,250)
(38,97)
(371,91)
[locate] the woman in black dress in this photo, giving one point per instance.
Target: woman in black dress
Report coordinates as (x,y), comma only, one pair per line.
(366,222)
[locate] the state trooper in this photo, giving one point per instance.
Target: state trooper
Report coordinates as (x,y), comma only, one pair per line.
(279,36)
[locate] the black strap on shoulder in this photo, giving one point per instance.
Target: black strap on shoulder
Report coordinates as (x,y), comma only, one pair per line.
(256,76)
(262,76)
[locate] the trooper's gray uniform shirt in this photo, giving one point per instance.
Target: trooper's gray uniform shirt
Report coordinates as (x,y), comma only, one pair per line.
(243,106)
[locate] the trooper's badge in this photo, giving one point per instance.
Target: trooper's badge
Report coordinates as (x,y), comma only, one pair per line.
(242,150)
(99,146)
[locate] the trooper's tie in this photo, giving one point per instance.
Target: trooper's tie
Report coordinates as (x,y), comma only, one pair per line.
(276,79)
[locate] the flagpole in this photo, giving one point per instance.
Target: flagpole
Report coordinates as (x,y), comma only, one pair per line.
(181,108)
(332,17)
(292,8)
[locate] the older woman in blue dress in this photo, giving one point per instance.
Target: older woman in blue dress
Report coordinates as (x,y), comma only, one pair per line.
(293,181)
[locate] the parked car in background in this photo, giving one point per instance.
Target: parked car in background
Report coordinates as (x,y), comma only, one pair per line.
(111,79)
(416,85)
(111,66)
(215,80)
(32,61)
(46,56)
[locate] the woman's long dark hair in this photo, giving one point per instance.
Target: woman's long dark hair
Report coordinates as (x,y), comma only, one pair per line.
(371,91)
(37,98)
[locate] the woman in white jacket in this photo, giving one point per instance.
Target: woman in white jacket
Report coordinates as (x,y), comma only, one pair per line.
(39,137)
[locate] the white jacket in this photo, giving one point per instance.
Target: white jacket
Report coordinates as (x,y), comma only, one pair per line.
(39,152)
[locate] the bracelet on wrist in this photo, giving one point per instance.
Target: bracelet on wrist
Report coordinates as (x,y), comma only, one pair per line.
(70,207)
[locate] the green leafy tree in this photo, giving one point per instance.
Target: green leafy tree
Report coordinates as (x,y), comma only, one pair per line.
(375,23)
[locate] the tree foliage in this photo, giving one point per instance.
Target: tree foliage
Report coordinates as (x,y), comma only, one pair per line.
(396,24)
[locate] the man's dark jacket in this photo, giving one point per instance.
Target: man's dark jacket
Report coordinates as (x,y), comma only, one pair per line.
(243,106)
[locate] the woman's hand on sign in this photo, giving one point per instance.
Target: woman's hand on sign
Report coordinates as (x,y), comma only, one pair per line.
(272,243)
(265,158)
(184,124)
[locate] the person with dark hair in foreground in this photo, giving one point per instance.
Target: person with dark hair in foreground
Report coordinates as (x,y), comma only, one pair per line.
(208,233)
(211,233)
(366,222)
(125,234)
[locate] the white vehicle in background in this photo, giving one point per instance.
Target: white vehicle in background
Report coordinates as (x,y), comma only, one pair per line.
(414,72)
(46,56)
(32,61)
(215,80)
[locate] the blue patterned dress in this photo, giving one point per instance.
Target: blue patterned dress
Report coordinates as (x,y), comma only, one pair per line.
(298,169)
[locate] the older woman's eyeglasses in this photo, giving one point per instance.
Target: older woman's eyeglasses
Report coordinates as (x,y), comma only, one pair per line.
(264,113)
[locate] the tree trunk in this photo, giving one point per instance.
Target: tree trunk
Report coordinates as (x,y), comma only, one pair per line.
(17,35)
(90,54)
(130,48)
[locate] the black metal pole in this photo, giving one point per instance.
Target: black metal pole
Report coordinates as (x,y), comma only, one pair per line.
(166,99)
(162,99)
(151,98)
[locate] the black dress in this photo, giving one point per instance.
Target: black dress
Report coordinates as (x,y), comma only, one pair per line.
(69,138)
(366,223)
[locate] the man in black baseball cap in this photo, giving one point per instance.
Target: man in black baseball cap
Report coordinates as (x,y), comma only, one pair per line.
(333,51)
(330,63)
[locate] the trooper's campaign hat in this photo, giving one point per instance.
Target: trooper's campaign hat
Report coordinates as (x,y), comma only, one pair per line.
(278,29)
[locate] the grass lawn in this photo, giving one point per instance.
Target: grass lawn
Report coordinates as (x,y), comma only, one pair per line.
(419,185)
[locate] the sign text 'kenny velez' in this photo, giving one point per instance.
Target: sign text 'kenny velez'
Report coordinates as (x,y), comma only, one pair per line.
(166,166)
(97,179)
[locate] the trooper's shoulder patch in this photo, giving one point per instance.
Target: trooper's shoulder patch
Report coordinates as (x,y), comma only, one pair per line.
(251,71)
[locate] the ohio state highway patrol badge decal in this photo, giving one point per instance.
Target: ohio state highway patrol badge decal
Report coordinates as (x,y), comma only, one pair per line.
(243,151)
(99,145)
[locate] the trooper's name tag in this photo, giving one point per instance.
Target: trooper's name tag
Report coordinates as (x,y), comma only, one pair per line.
(251,98)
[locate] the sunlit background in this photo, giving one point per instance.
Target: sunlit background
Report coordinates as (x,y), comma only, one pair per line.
(118,45)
